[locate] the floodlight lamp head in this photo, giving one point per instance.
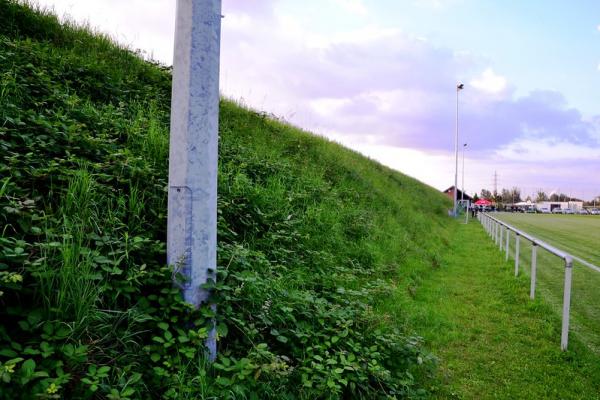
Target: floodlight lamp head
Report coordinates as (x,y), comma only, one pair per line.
(460,86)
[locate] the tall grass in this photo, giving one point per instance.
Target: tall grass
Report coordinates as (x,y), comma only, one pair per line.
(148,132)
(69,283)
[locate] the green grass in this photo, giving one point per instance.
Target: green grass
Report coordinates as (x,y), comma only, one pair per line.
(492,341)
(575,234)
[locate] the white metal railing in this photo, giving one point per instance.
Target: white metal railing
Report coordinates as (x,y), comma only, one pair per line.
(500,231)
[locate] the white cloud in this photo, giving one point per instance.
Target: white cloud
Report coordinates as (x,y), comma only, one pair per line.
(547,150)
(140,24)
(437,5)
(598,27)
(328,106)
(352,6)
(490,82)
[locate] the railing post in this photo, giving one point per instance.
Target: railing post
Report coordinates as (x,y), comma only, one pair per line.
(533,269)
(564,338)
(517,242)
(495,229)
(498,232)
(495,233)
(501,237)
(507,243)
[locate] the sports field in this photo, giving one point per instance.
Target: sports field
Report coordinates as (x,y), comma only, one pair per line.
(578,235)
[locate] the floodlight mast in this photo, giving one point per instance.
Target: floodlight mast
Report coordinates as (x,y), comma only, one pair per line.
(462,192)
(459,87)
(193,150)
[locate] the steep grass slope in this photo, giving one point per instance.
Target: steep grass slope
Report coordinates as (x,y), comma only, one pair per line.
(313,241)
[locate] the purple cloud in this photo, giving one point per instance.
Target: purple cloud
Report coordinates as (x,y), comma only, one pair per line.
(389,88)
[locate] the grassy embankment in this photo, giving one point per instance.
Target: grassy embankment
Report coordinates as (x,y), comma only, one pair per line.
(325,258)
(313,241)
(493,342)
(580,236)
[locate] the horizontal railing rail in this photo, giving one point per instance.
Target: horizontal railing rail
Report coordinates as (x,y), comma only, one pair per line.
(500,231)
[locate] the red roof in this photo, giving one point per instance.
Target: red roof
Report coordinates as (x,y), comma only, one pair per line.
(483,202)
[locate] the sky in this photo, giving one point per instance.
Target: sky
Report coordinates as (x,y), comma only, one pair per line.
(379,76)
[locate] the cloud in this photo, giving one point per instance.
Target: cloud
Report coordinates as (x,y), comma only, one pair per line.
(352,6)
(255,8)
(151,29)
(489,82)
(387,87)
(546,150)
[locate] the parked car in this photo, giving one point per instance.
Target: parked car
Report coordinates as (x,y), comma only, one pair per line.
(583,211)
(557,210)
(595,211)
(543,210)
(568,211)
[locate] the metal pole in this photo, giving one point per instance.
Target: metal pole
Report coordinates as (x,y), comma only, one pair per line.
(564,338)
(495,231)
(507,243)
(517,243)
(458,88)
(462,192)
(533,270)
(497,228)
(193,153)
(501,237)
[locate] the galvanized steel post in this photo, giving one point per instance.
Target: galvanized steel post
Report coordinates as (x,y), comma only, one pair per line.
(193,152)
(517,242)
(533,270)
(495,232)
(507,243)
(564,338)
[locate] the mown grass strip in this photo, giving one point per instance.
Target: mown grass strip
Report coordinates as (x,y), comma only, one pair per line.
(493,342)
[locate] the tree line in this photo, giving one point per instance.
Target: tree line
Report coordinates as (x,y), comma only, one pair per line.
(513,195)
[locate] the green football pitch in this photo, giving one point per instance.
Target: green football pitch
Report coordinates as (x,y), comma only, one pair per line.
(578,235)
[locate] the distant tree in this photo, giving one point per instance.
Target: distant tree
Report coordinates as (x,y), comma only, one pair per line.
(560,197)
(541,196)
(510,196)
(594,202)
(506,196)
(516,194)
(486,194)
(475,197)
